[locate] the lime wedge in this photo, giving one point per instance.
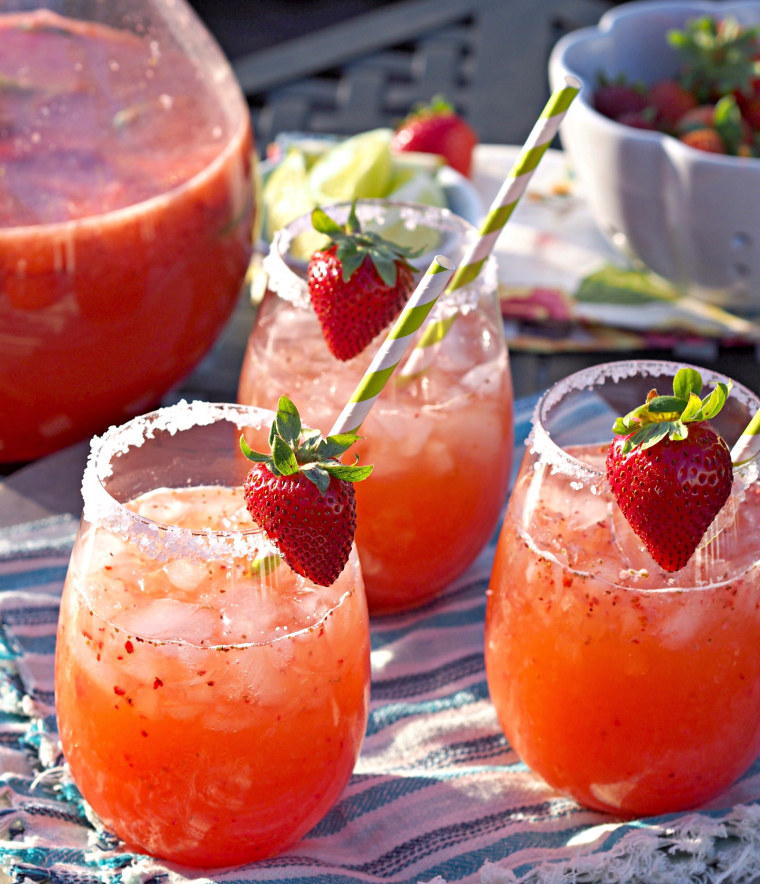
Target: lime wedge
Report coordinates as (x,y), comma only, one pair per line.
(286,193)
(417,186)
(420,237)
(359,167)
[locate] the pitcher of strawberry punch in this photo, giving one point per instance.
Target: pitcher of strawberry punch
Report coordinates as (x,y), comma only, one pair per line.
(211,699)
(426,514)
(623,614)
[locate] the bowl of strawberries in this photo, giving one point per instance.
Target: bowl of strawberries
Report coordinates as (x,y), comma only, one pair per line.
(665,139)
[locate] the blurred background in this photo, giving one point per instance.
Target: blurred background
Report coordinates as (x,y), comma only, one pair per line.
(243,26)
(346,66)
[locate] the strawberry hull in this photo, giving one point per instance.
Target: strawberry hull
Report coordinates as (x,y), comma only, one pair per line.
(630,688)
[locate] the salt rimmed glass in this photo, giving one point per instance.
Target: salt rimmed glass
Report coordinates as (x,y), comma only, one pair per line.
(632,689)
(211,703)
(440,440)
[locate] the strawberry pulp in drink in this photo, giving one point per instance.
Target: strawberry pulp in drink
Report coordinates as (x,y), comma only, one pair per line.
(633,689)
(440,440)
(211,703)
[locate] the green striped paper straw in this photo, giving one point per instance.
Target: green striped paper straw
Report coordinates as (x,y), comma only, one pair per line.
(744,445)
(501,210)
(395,345)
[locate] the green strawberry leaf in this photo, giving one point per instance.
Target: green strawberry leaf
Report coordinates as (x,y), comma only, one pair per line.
(351,260)
(334,446)
(348,472)
(256,456)
(297,449)
(662,416)
(666,404)
(287,421)
(353,245)
(647,436)
(283,457)
(693,410)
(686,382)
(318,475)
(713,403)
(323,223)
(385,266)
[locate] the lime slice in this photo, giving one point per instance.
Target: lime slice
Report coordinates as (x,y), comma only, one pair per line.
(417,186)
(358,168)
(286,192)
(419,237)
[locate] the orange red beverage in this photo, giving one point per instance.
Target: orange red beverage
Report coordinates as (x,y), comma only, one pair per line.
(426,513)
(211,703)
(634,690)
(125,218)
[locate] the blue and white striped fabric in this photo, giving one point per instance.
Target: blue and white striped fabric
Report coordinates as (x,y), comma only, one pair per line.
(437,794)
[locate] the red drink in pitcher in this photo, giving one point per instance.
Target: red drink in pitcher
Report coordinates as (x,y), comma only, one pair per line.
(126,214)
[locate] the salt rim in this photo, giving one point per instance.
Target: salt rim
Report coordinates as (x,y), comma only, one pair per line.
(549,452)
(289,286)
(157,540)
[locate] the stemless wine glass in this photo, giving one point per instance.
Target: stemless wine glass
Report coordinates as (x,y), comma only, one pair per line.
(633,689)
(440,439)
(211,703)
(126,211)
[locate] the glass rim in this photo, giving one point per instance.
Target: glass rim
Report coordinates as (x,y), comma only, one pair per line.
(292,287)
(542,443)
(101,508)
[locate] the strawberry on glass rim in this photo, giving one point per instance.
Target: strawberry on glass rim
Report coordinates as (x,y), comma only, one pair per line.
(303,496)
(670,472)
(358,282)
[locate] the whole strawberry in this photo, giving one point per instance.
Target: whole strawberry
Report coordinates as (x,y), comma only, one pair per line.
(303,497)
(670,472)
(436,128)
(358,283)
(619,97)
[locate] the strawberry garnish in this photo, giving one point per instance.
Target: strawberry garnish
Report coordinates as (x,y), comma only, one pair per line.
(436,128)
(303,497)
(358,283)
(669,470)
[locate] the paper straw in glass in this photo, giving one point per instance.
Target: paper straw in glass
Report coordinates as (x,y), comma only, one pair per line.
(501,209)
(388,356)
(746,445)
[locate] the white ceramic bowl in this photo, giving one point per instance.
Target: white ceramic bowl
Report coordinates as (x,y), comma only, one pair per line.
(690,216)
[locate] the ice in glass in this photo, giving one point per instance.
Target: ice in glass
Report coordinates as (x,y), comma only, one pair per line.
(427,512)
(633,689)
(211,703)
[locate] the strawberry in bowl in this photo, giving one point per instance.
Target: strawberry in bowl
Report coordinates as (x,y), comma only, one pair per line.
(689,215)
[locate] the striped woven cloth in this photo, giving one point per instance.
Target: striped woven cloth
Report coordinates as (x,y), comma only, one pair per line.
(437,795)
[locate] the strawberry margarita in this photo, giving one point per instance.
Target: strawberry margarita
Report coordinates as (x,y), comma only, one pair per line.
(126,213)
(425,514)
(211,702)
(634,689)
